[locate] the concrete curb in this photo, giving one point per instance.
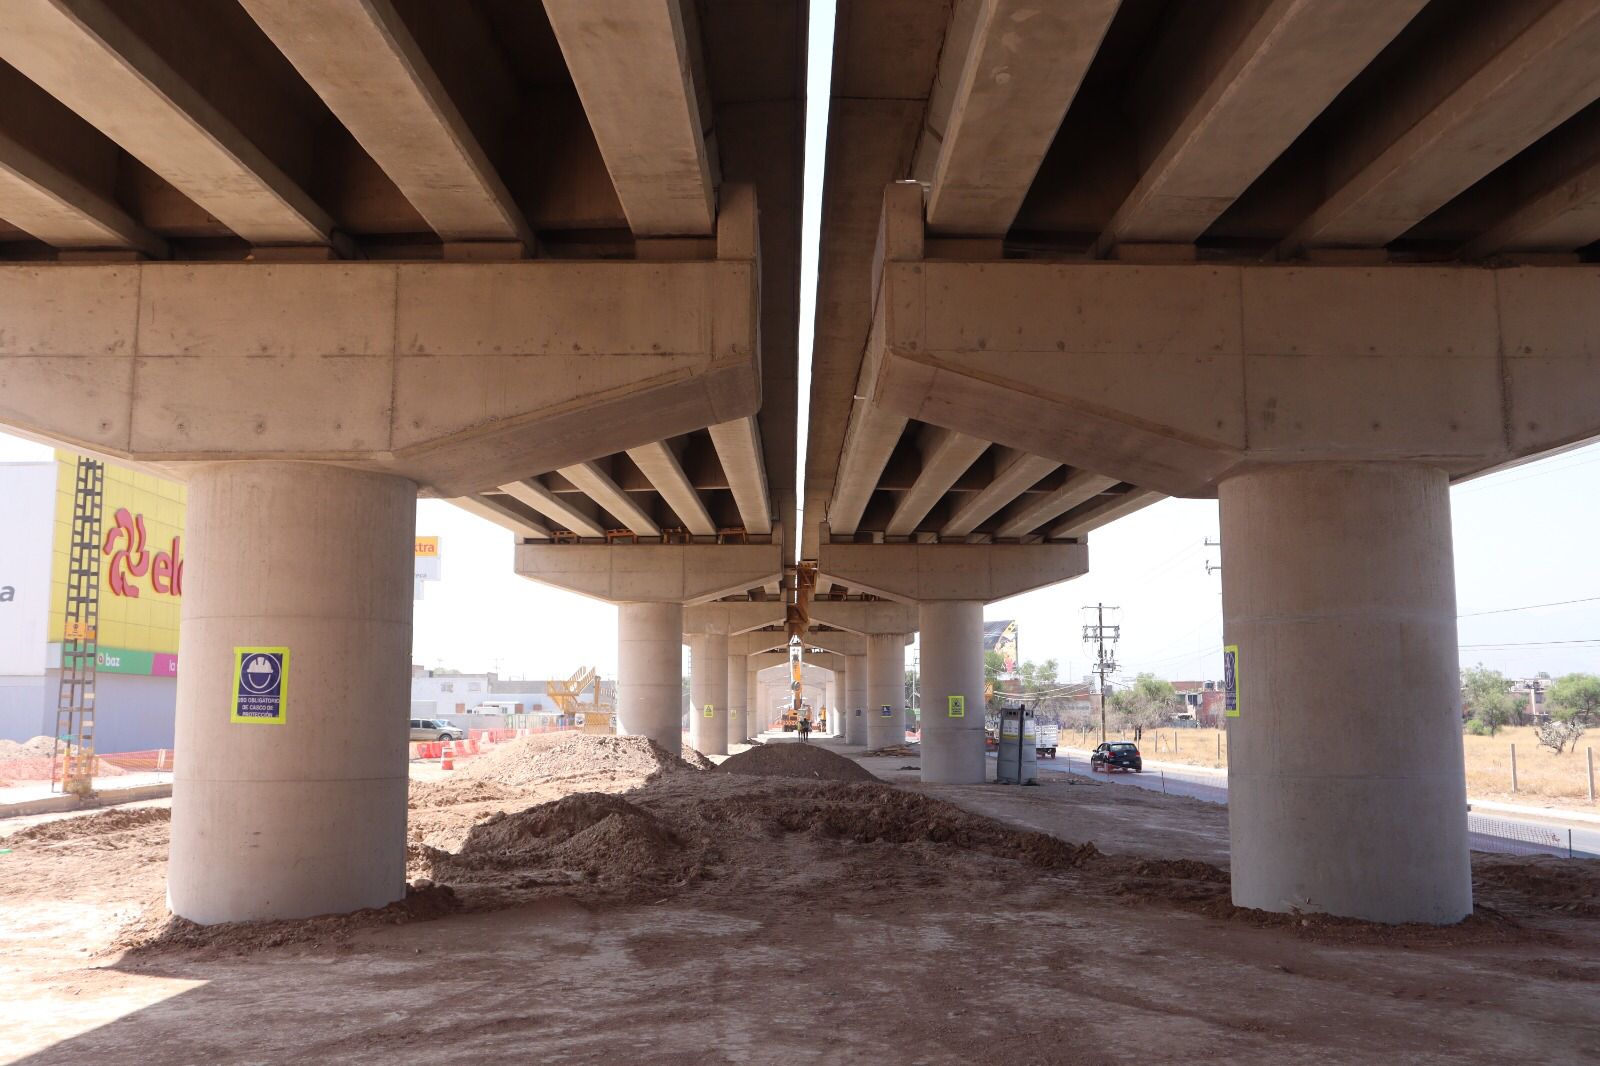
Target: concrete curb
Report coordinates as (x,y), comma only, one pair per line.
(109,797)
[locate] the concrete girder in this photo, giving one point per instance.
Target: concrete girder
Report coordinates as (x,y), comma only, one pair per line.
(1169,377)
(1560,213)
(757,642)
(738,445)
(636,66)
(1025,517)
(734,617)
(946,455)
(598,486)
(503,516)
(915,573)
(1439,145)
(1267,82)
(1015,473)
(865,617)
(842,643)
(43,200)
(650,573)
(90,60)
(459,376)
(1083,520)
(362,59)
(532,492)
(660,466)
(1010,68)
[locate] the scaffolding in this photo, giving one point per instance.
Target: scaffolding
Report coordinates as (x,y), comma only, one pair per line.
(593,717)
(72,762)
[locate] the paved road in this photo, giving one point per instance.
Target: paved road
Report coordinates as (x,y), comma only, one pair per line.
(1497,832)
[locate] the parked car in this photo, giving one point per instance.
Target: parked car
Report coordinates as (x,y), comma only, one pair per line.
(1117,755)
(435,729)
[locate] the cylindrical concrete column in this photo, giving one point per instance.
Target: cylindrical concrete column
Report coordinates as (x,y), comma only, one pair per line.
(952,691)
(302,812)
(738,702)
(650,673)
(752,690)
(1346,788)
(855,712)
(708,689)
(886,687)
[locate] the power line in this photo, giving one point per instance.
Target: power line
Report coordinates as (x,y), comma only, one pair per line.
(1529,607)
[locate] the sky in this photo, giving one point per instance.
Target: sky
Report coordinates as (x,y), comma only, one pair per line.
(1524,539)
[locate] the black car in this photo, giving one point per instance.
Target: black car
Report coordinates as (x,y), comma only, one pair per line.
(1117,755)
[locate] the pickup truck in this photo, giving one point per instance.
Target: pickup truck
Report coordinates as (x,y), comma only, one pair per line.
(1046,737)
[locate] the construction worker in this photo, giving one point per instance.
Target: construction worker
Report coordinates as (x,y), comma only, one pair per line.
(805,728)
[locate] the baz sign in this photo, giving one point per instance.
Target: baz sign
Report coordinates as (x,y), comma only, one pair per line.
(260,685)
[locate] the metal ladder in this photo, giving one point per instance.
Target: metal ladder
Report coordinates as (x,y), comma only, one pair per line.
(72,762)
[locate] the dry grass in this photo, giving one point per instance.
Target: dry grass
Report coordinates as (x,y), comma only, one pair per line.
(1543,777)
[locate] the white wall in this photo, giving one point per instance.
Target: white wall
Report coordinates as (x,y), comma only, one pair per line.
(27,526)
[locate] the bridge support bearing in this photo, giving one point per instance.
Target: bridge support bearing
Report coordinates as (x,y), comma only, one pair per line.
(952,692)
(1346,787)
(304,814)
(886,687)
(708,687)
(855,676)
(650,673)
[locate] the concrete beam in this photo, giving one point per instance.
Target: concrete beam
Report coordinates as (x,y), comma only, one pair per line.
(1025,517)
(1014,473)
(734,618)
(460,376)
(635,65)
(503,516)
(49,204)
(1562,215)
(738,445)
(360,57)
(532,492)
(86,57)
(1168,377)
(915,573)
(660,465)
(1089,517)
(1265,85)
(650,573)
(599,487)
(946,455)
(1544,74)
(1010,68)
(865,617)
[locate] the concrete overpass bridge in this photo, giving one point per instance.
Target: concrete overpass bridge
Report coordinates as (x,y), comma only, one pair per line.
(1317,258)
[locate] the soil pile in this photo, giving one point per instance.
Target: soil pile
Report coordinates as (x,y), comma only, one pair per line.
(111,830)
(796,760)
(696,760)
(587,762)
(27,749)
(1538,882)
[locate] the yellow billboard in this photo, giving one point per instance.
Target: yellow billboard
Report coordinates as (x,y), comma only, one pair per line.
(141,558)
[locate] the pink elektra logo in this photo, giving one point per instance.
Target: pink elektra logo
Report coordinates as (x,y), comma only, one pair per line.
(125,544)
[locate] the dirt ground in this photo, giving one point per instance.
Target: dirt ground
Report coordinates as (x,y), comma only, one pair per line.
(616,905)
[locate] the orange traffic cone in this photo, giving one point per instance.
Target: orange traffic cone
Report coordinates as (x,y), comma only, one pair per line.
(447,759)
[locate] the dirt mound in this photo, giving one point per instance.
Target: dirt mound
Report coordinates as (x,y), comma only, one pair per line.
(696,760)
(157,929)
(1538,882)
(426,794)
(27,749)
(589,762)
(118,828)
(796,760)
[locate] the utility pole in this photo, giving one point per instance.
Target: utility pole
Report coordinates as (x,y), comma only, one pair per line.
(1105,661)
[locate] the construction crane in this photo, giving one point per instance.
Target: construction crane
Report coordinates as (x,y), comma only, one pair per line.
(595,717)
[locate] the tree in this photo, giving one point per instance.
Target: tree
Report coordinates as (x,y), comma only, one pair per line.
(1488,699)
(1149,701)
(1557,733)
(1576,698)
